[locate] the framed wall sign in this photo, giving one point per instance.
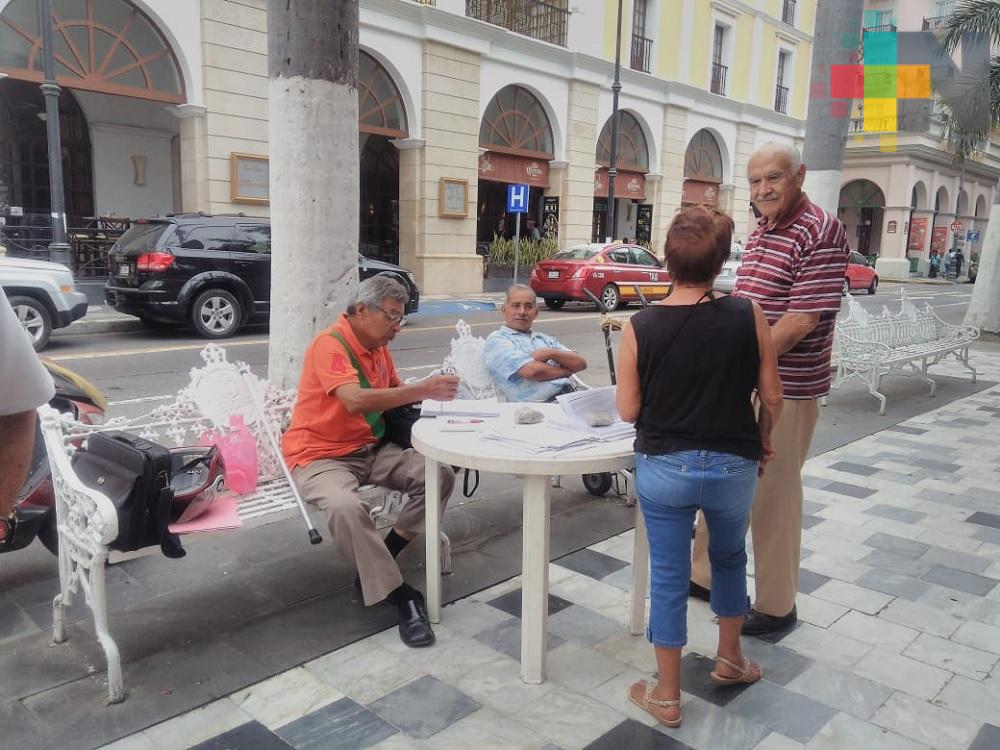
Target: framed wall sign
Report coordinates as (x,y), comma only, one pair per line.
(453,200)
(249,178)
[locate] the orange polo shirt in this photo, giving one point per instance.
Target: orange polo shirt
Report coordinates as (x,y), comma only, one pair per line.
(321,426)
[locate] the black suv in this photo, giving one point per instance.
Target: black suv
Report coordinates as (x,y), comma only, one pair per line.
(213,272)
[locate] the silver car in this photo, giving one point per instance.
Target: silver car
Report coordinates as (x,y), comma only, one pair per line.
(43,296)
(726,279)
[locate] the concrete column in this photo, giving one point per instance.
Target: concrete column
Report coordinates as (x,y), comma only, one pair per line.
(672,167)
(411,194)
(746,139)
(576,205)
(194,156)
(445,253)
(892,262)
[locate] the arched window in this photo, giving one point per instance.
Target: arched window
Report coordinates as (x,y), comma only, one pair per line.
(861,194)
(633,153)
(703,158)
(108,46)
(515,123)
(380,107)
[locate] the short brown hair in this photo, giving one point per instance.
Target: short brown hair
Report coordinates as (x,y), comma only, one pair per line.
(697,244)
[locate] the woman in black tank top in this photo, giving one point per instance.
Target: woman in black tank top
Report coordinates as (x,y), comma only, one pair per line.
(688,369)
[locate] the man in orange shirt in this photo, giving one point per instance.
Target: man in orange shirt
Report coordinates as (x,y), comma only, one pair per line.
(334,445)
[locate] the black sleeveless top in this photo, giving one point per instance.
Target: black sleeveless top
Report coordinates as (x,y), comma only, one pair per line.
(697,369)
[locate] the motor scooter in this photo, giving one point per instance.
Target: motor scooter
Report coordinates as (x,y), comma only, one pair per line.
(35,510)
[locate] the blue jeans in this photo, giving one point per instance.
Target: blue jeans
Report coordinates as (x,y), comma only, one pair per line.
(671,488)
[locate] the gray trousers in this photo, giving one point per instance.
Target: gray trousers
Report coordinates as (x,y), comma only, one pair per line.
(332,484)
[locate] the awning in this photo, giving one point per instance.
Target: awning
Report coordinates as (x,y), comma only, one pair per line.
(627,184)
(518,170)
(700,192)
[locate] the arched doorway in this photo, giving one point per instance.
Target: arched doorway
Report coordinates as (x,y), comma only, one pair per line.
(862,211)
(106,53)
(517,137)
(942,220)
(702,170)
(633,216)
(381,117)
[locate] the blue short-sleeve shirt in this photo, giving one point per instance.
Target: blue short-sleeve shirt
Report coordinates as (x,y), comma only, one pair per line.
(507,351)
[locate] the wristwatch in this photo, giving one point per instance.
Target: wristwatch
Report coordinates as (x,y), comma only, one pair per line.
(7,526)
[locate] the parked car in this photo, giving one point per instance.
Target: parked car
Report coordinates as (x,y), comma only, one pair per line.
(43,296)
(612,272)
(726,279)
(211,272)
(860,274)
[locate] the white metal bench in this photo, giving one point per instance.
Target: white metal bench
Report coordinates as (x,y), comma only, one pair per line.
(87,522)
(907,343)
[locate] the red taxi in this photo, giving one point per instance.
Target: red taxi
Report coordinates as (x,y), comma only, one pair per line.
(860,274)
(613,273)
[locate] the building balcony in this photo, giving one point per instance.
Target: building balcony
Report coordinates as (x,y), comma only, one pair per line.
(887,27)
(935,23)
(781,99)
(788,12)
(545,21)
(642,49)
(719,72)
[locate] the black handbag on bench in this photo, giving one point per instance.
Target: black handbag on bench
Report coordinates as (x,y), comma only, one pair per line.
(135,475)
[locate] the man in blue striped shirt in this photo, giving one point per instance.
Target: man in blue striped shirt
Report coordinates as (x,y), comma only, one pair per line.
(527,365)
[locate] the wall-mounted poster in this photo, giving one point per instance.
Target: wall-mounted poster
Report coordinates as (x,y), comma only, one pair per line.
(550,216)
(939,240)
(249,178)
(918,233)
(453,198)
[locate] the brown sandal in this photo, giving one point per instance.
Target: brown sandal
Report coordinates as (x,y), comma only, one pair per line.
(745,676)
(648,701)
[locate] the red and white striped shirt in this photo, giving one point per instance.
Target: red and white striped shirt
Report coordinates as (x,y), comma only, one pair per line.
(798,266)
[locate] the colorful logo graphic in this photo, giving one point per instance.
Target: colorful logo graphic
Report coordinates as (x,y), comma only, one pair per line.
(899,77)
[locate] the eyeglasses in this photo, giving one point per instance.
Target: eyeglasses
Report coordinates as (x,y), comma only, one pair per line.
(396,320)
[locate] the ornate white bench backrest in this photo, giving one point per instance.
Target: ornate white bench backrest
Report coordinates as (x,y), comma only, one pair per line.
(466,361)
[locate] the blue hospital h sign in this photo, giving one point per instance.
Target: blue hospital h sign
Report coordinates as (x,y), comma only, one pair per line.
(517,199)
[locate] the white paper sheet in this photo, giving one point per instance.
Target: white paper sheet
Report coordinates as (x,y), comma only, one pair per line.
(482,408)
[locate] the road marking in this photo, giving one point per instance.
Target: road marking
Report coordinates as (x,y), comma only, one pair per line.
(256,342)
(951,304)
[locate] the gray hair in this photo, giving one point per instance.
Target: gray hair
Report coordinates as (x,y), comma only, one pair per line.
(518,288)
(372,292)
(788,150)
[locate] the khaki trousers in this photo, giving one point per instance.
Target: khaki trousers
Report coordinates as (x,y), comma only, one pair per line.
(775,516)
(332,485)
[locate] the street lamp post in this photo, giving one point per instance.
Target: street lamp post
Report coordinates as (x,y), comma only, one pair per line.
(59,250)
(611,220)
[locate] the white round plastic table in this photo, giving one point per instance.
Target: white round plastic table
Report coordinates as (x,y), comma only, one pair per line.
(469,450)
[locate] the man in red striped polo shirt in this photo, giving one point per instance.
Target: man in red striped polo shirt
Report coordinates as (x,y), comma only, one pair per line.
(793,267)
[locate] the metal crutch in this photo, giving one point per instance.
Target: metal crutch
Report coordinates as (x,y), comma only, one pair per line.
(314,537)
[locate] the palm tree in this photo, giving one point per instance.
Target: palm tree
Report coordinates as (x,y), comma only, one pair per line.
(967,130)
(314,172)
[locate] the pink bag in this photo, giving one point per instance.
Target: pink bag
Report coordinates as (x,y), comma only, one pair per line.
(239,454)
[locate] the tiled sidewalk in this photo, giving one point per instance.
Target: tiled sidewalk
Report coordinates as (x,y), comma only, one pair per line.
(897,646)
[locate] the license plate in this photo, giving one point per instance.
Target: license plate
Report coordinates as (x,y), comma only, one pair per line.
(553,274)
(123,269)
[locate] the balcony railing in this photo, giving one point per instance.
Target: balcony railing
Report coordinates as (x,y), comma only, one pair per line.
(642,49)
(535,18)
(935,22)
(719,72)
(781,99)
(877,29)
(788,12)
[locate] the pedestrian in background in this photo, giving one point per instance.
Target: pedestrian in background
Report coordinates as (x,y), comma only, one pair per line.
(794,267)
(24,386)
(698,445)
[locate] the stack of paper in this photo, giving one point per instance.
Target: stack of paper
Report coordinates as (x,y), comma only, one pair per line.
(460,408)
(577,405)
(536,439)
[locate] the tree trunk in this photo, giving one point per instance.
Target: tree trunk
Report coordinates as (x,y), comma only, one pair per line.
(314,172)
(984,307)
(837,38)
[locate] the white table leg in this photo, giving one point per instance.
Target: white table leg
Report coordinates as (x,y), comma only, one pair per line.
(535,579)
(432,535)
(640,575)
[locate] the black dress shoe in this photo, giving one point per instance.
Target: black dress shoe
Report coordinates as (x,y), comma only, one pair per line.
(414,625)
(757,623)
(699,592)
